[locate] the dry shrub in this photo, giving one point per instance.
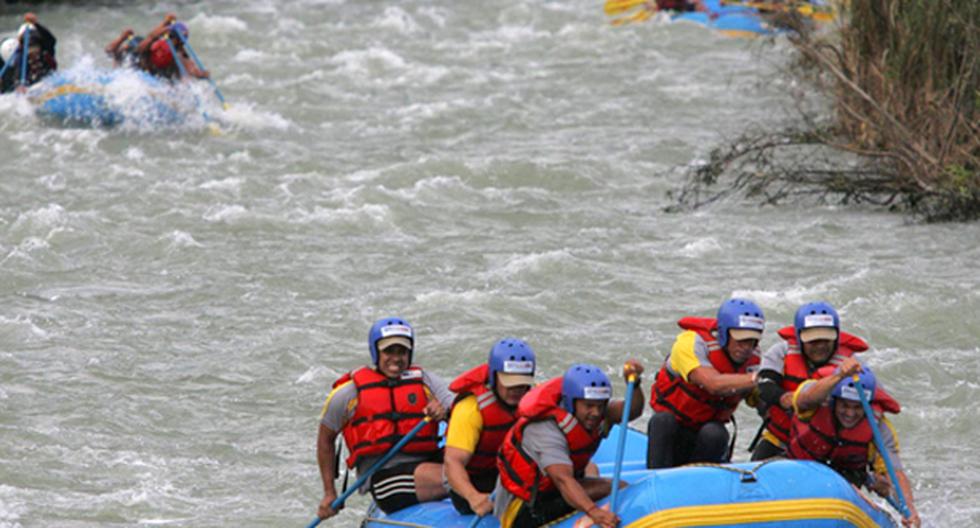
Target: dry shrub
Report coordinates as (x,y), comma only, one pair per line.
(903,77)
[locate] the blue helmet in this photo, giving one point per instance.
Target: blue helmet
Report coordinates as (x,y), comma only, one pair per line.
(510,356)
(179,31)
(584,381)
(816,315)
(739,314)
(847,389)
(390,327)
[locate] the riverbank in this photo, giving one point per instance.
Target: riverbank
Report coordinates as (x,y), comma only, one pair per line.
(903,83)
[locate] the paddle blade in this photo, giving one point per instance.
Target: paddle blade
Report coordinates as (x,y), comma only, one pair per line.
(636,17)
(614,7)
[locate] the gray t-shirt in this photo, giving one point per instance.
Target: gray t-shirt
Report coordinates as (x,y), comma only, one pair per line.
(775,357)
(337,410)
(546,445)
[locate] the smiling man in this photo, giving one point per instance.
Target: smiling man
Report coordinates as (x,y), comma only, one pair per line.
(829,425)
(375,406)
(709,370)
(543,459)
(485,409)
(814,341)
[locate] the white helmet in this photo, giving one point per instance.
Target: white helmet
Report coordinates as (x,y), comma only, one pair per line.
(8,48)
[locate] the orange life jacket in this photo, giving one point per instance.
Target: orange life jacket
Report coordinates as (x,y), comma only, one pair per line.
(386,411)
(519,474)
(497,419)
(690,404)
(796,371)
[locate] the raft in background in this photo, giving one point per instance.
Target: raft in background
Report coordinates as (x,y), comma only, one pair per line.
(731,20)
(779,492)
(108,98)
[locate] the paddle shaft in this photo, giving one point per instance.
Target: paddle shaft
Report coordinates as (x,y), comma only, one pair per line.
(339,501)
(177,61)
(187,46)
(6,65)
(23,55)
(621,444)
(476,520)
(902,508)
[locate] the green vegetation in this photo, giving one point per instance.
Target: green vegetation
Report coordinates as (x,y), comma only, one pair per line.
(903,80)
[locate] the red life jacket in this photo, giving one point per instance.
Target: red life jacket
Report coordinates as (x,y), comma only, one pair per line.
(796,371)
(846,450)
(690,404)
(674,5)
(519,474)
(497,419)
(386,411)
(819,438)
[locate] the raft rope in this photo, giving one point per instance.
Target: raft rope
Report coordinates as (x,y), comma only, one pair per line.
(394,523)
(748,475)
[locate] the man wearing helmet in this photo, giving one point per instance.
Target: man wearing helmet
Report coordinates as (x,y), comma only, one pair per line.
(709,370)
(484,410)
(40,55)
(829,425)
(543,457)
(122,50)
(156,51)
(814,341)
(374,407)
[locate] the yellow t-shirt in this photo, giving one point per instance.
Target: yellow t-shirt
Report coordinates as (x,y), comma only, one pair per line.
(683,356)
(465,425)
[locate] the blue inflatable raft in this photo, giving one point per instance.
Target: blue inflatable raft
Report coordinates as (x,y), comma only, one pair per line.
(110,97)
(732,20)
(777,493)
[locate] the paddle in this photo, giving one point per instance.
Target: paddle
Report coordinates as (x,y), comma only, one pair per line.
(6,65)
(639,16)
(339,501)
(212,127)
(24,52)
(476,520)
(173,52)
(901,507)
(614,7)
(621,444)
(187,46)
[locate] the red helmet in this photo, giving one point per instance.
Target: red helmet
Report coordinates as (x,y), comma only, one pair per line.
(160,55)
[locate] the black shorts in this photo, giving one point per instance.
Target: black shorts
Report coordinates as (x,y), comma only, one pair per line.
(547,507)
(394,488)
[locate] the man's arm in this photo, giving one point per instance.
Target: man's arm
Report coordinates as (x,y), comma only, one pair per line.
(454,466)
(811,395)
(326,458)
(718,384)
(191,67)
(156,33)
(575,495)
(113,47)
(614,413)
(462,437)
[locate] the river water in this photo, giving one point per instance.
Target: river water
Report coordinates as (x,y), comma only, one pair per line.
(176,304)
